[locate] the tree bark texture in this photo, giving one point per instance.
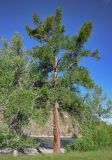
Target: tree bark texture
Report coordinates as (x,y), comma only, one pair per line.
(56,127)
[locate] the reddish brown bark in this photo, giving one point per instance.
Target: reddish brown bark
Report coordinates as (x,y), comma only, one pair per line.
(56,127)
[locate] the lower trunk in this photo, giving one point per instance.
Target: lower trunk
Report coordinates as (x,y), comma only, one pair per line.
(56,128)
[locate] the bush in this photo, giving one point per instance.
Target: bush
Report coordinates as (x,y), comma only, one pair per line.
(100,137)
(82,144)
(9,139)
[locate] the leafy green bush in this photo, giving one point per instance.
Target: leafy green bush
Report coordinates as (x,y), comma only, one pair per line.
(5,137)
(22,141)
(9,139)
(82,144)
(99,137)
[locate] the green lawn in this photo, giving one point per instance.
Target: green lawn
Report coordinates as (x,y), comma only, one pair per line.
(97,155)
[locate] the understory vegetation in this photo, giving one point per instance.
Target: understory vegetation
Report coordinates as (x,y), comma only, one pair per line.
(95,137)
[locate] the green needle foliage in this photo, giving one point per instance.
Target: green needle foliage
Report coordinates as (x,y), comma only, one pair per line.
(52,42)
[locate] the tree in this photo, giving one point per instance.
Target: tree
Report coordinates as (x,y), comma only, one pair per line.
(58,56)
(16,97)
(17,43)
(100,104)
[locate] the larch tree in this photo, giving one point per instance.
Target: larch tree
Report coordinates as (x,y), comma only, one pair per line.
(58,59)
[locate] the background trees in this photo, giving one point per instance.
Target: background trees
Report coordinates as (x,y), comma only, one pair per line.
(100,105)
(16,97)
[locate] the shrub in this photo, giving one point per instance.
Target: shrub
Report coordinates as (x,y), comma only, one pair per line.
(9,139)
(82,144)
(100,137)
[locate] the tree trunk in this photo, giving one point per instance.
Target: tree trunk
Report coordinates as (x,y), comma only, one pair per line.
(56,127)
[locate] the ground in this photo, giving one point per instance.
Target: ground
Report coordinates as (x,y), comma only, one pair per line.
(96,155)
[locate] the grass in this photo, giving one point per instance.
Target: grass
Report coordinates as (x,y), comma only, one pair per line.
(97,155)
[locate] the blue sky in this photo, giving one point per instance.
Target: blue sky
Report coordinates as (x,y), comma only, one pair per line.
(15,14)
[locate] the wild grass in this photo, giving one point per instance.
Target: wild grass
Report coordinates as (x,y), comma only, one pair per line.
(96,155)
